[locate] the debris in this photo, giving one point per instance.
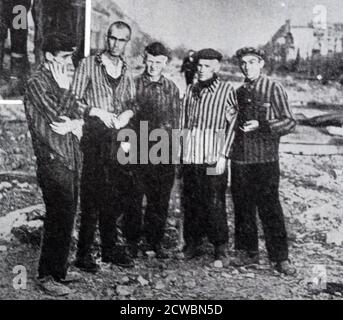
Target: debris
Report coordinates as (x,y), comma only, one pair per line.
(19,175)
(124,290)
(218,264)
(160,285)
(125,280)
(5,186)
(150,254)
(3,248)
(18,218)
(335,237)
(142,281)
(191,284)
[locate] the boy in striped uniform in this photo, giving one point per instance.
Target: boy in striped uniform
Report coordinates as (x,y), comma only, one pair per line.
(263,117)
(206,141)
(58,159)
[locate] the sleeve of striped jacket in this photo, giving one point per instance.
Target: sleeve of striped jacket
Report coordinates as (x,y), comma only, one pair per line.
(78,88)
(183,111)
(231,117)
(50,105)
(176,108)
(284,122)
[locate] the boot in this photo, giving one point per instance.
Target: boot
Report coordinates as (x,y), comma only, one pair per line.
(220,252)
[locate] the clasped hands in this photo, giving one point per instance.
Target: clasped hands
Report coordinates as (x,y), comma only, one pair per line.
(110,120)
(250,126)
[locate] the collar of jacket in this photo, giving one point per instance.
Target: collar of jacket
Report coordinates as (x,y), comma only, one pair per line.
(98,59)
(210,85)
(250,83)
(147,81)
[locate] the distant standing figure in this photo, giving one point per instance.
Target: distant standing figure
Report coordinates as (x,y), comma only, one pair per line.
(189,67)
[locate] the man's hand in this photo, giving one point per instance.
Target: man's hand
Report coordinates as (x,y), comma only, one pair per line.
(250,126)
(107,118)
(221,165)
(60,75)
(123,119)
(78,128)
(62,128)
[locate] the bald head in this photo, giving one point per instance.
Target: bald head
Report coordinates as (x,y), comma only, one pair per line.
(120,25)
(118,36)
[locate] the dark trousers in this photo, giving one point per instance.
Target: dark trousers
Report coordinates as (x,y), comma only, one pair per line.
(107,193)
(203,200)
(7,17)
(256,186)
(60,193)
(156,182)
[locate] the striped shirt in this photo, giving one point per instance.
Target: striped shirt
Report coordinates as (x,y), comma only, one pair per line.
(44,102)
(92,87)
(266,101)
(206,133)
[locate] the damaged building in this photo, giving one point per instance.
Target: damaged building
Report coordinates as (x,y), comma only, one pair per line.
(296,47)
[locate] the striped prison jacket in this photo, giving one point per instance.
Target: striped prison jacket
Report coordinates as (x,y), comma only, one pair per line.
(266,101)
(44,102)
(206,133)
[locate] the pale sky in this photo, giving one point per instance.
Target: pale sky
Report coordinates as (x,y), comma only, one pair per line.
(224,24)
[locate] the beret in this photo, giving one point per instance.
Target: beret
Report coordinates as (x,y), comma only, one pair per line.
(208,54)
(250,51)
(157,49)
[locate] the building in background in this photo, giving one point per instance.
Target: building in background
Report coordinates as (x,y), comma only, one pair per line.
(310,49)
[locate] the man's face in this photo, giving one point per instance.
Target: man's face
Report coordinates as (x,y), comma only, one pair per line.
(155,65)
(191,55)
(64,59)
(207,68)
(117,40)
(251,66)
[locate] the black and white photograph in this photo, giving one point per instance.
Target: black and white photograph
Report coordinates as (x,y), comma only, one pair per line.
(184,150)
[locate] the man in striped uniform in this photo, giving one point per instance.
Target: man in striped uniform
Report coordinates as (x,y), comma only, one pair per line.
(206,141)
(57,159)
(102,89)
(263,117)
(158,104)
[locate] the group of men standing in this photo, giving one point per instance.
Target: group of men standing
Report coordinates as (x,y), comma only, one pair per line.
(216,122)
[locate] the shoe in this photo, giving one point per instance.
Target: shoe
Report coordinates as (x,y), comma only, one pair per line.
(87,264)
(119,257)
(53,288)
(285,267)
(243,258)
(161,253)
(71,277)
(191,251)
(132,249)
(220,252)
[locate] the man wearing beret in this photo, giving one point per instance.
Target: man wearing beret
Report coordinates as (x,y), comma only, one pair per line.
(206,141)
(263,117)
(158,105)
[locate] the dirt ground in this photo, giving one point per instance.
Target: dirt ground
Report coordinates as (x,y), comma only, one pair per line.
(311,193)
